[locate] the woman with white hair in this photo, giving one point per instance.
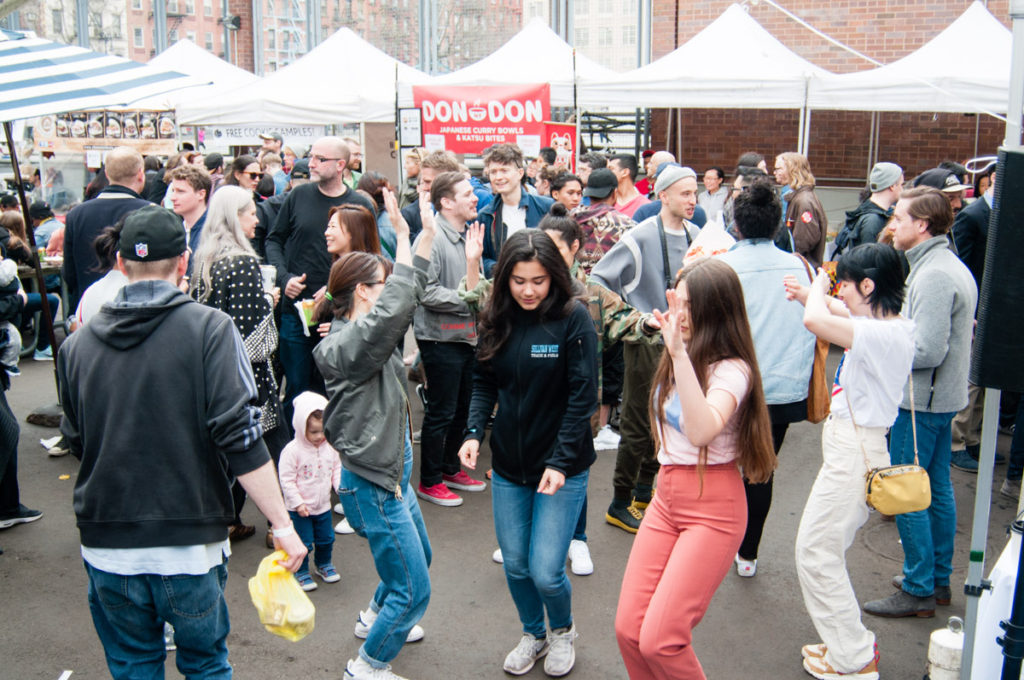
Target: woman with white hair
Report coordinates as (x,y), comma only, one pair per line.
(226,276)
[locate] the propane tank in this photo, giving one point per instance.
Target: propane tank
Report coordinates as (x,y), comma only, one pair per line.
(945,651)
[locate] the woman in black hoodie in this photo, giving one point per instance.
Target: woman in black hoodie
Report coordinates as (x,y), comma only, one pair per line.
(537,358)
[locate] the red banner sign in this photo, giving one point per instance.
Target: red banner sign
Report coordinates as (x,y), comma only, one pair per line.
(470,119)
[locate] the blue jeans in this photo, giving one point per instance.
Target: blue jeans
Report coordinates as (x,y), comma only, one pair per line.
(533,532)
(401,552)
(927,535)
(129,613)
(580,532)
(295,351)
(35,304)
(316,532)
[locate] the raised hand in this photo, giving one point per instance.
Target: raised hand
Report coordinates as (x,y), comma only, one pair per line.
(427,214)
(794,289)
(398,222)
(474,244)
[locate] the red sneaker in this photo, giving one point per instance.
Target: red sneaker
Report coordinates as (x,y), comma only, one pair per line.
(463,482)
(439,494)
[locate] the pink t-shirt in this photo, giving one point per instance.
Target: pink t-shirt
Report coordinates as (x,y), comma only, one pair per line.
(731,375)
(630,207)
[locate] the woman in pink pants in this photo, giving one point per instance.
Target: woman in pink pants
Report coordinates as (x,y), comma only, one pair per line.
(709,418)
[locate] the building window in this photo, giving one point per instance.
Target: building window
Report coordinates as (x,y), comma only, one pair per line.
(209,42)
(582,36)
(139,42)
(271,39)
(581,7)
(270,8)
(605,6)
(58,21)
(172,6)
(136,4)
(174,36)
(191,36)
(190,7)
(629,35)
(604,36)
(208,8)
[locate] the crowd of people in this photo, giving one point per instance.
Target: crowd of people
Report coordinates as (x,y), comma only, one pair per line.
(565,313)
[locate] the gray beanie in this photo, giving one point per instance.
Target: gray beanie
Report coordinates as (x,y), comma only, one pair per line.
(883,176)
(670,176)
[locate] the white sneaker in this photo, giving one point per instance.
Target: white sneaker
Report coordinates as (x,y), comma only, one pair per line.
(579,558)
(339,509)
(496,556)
(745,568)
(357,669)
(521,659)
(561,652)
(343,527)
(365,621)
(607,439)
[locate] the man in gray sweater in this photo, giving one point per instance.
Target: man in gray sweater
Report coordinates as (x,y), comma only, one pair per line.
(640,268)
(446,334)
(941,298)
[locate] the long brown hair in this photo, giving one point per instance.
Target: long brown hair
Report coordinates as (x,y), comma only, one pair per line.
(361,226)
(720,330)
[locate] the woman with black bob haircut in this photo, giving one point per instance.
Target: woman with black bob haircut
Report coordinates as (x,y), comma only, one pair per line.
(785,349)
(874,261)
(537,358)
(865,401)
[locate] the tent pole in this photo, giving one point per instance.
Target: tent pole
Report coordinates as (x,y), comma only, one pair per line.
(679,133)
(576,112)
(396,148)
(807,134)
(871,142)
(668,128)
(800,130)
(30,233)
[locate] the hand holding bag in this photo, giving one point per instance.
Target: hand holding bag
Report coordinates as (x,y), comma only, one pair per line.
(284,608)
(897,489)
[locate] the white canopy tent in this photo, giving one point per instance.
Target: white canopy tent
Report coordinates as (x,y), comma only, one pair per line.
(910,84)
(187,57)
(732,63)
(342,80)
(534,55)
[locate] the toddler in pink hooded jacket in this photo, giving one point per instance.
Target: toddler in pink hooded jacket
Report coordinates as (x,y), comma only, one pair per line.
(308,470)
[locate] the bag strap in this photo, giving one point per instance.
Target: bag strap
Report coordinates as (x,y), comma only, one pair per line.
(913,415)
(913,425)
(807,266)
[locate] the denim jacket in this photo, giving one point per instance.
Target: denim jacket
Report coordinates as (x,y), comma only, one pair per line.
(785,349)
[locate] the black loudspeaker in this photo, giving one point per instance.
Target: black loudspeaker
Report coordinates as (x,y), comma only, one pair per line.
(997,360)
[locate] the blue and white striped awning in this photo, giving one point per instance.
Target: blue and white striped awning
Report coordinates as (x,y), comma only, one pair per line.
(40,77)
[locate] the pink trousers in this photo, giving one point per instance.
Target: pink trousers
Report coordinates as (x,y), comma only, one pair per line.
(684,549)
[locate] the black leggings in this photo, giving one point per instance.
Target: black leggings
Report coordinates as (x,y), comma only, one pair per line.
(759,501)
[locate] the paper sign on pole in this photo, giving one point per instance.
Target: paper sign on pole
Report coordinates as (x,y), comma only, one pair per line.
(471,119)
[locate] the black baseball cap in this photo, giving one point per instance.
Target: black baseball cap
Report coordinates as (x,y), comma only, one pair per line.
(40,210)
(301,169)
(941,179)
(152,233)
(601,183)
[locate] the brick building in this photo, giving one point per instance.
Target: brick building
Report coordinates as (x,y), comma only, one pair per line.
(196,20)
(886,31)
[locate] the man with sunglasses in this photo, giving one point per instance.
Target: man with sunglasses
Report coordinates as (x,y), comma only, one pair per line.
(296,246)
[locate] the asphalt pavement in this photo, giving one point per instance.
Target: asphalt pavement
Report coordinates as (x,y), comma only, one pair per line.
(753,629)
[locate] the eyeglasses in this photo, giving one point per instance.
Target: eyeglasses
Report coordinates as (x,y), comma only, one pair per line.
(253,175)
(322,159)
(375,283)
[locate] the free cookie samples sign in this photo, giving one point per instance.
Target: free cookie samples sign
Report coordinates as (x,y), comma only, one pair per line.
(470,119)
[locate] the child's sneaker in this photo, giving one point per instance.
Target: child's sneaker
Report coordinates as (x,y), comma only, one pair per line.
(365,621)
(306,581)
(343,527)
(327,572)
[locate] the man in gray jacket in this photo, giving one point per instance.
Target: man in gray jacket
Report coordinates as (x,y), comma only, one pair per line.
(941,298)
(445,331)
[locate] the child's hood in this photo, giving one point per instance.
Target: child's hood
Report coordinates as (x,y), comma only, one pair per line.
(305,404)
(8,271)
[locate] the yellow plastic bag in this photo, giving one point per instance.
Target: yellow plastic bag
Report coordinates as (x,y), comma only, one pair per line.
(283,606)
